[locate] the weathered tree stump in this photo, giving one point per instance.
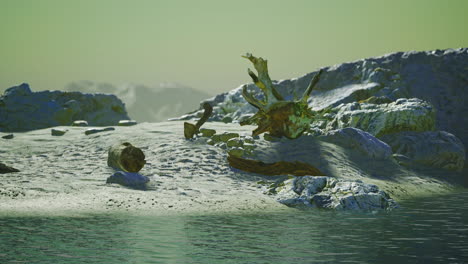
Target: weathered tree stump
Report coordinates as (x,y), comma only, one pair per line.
(277,168)
(126,157)
(276,116)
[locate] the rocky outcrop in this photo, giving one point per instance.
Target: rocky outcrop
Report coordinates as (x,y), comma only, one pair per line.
(330,193)
(359,140)
(23,110)
(437,149)
(381,119)
(437,77)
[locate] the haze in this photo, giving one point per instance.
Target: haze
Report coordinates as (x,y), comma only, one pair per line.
(50,43)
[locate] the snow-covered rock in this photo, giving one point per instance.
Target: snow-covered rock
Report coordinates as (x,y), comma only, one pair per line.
(23,110)
(381,119)
(330,193)
(357,139)
(437,77)
(438,149)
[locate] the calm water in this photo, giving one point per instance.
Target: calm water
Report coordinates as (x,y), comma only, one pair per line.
(431,230)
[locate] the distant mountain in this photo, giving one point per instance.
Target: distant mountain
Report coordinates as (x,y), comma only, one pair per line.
(147,104)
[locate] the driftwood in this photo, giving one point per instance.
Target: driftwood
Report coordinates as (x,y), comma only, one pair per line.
(275,115)
(126,157)
(191,129)
(277,168)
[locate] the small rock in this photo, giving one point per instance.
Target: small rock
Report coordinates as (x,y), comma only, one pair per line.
(127,122)
(7,169)
(235,142)
(129,179)
(58,131)
(97,130)
(224,137)
(236,152)
(206,132)
(80,123)
(9,136)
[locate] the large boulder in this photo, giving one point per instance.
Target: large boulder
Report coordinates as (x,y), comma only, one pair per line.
(381,119)
(437,149)
(437,77)
(23,110)
(359,140)
(329,193)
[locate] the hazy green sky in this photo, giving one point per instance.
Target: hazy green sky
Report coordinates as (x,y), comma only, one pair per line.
(49,43)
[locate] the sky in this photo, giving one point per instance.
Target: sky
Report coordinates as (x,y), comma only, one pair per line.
(50,43)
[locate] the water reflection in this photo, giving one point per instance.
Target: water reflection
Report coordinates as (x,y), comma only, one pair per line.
(423,231)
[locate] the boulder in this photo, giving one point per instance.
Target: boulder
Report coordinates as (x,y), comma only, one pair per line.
(330,193)
(437,149)
(24,110)
(381,119)
(129,179)
(357,139)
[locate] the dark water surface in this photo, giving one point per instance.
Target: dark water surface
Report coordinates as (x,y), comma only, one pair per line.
(431,230)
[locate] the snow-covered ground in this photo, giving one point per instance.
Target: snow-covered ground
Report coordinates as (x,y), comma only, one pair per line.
(67,174)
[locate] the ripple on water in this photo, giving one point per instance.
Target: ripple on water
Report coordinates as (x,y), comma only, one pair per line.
(422,231)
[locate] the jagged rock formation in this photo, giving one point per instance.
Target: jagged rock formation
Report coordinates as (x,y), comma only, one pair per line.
(330,193)
(436,77)
(23,110)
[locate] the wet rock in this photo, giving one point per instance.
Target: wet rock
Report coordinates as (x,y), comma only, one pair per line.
(58,131)
(7,169)
(127,122)
(98,130)
(357,139)
(80,123)
(129,179)
(330,193)
(437,149)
